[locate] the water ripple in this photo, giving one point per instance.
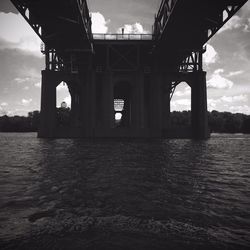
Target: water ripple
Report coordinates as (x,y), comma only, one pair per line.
(111,194)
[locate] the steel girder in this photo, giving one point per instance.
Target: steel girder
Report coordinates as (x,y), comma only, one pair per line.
(183,27)
(59,24)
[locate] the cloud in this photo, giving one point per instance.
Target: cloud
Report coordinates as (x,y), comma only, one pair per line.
(38,84)
(219,82)
(18,111)
(235,73)
(184,102)
(21,80)
(211,55)
(186,92)
(234,23)
(7,7)
(17,70)
(230,99)
(181,104)
(99,24)
(247,26)
(229,103)
(246,51)
(15,32)
(240,109)
(212,104)
(68,100)
(218,71)
(4,104)
(26,102)
(135,28)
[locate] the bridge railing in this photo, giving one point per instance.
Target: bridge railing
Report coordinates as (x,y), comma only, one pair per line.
(125,37)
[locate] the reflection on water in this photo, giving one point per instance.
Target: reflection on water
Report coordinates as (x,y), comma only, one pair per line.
(124,194)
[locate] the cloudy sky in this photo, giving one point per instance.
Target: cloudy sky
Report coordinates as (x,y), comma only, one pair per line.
(227,60)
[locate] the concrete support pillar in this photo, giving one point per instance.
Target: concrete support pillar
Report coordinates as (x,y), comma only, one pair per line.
(199,119)
(48,105)
(73,111)
(156,102)
(75,106)
(108,101)
(91,100)
(88,103)
(138,101)
(165,103)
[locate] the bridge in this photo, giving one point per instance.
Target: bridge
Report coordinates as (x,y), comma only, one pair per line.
(133,75)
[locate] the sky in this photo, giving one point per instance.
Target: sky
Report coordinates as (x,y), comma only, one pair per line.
(227,60)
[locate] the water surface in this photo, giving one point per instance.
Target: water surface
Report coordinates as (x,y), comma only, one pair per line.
(124,194)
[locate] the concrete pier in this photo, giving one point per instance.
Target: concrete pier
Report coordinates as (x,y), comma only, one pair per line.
(146,104)
(143,90)
(199,118)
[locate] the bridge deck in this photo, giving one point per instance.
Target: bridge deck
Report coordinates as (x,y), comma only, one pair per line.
(183,26)
(59,23)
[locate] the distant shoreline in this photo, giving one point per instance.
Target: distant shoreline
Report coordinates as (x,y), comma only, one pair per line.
(219,122)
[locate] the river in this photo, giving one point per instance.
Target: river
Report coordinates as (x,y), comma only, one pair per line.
(124,194)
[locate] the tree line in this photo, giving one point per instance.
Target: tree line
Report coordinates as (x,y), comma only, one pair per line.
(219,122)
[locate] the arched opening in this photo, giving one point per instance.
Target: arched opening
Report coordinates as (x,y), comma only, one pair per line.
(122,104)
(180,107)
(63,105)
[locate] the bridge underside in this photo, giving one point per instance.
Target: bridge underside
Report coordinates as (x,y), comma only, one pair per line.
(121,79)
(127,78)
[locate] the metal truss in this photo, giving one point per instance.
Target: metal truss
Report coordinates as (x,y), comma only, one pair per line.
(193,62)
(25,12)
(214,23)
(25,8)
(85,17)
(123,60)
(172,87)
(162,17)
(53,61)
(66,62)
(56,60)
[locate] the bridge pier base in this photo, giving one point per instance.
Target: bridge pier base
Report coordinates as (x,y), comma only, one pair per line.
(48,105)
(199,117)
(165,106)
(93,114)
(107,111)
(138,101)
(88,103)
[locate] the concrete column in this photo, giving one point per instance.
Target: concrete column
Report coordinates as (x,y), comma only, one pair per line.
(83,102)
(88,103)
(147,97)
(156,102)
(107,101)
(140,123)
(165,103)
(137,100)
(48,105)
(199,119)
(75,109)
(92,102)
